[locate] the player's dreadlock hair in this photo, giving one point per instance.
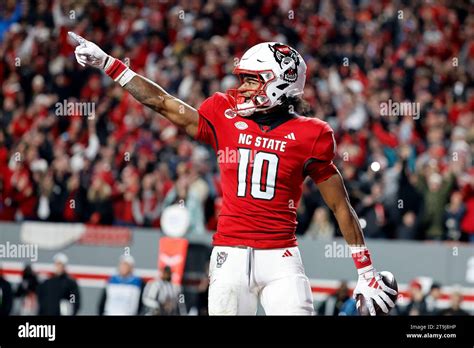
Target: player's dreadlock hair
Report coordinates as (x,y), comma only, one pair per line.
(292,106)
(296,105)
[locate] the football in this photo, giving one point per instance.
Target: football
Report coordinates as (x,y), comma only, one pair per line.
(389,280)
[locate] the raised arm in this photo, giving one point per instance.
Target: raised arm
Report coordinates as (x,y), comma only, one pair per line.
(156,98)
(142,89)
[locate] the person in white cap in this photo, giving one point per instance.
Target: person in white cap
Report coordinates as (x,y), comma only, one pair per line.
(59,295)
(123,292)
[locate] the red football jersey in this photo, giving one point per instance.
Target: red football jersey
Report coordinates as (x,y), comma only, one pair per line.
(262,172)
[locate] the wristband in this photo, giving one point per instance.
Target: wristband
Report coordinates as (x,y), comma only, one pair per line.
(361,257)
(118,71)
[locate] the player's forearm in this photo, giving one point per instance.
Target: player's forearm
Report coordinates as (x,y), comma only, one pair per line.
(352,232)
(156,98)
(146,92)
(349,224)
(337,199)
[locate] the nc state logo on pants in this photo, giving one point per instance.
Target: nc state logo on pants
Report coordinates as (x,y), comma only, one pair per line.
(221,257)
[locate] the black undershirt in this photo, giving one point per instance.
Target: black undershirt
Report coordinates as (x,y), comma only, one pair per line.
(271,120)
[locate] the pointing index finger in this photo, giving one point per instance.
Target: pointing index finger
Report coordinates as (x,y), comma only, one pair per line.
(77,38)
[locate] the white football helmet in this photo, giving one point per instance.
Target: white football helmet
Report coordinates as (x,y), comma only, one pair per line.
(280,70)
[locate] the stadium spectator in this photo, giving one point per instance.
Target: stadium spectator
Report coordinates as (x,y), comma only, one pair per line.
(409,199)
(374,211)
(160,296)
(408,227)
(125,194)
(6,296)
(11,14)
(99,198)
(432,300)
(75,205)
(321,225)
(455,309)
(467,222)
(417,304)
(146,205)
(123,292)
(435,189)
(26,296)
(454,212)
(59,295)
(340,303)
(183,194)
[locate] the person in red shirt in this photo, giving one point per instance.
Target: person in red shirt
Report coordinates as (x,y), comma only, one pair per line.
(265,151)
(467,222)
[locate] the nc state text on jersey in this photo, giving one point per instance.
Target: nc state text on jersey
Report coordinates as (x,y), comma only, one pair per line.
(262,142)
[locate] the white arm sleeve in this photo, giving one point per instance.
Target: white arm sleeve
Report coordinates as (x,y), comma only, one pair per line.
(93,147)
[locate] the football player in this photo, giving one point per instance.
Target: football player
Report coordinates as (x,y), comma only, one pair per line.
(255,255)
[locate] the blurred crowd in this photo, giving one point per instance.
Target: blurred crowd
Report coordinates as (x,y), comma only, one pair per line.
(408,176)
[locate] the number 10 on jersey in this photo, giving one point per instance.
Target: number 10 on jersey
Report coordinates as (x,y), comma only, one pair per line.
(261,186)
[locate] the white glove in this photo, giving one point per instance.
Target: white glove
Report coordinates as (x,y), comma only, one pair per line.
(371,286)
(88,53)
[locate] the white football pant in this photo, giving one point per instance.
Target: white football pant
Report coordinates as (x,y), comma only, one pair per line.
(239,277)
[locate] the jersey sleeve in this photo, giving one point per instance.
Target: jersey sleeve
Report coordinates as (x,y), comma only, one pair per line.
(207,122)
(319,166)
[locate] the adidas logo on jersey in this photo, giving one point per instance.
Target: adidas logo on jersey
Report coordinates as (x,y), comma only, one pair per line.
(290,136)
(287,253)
